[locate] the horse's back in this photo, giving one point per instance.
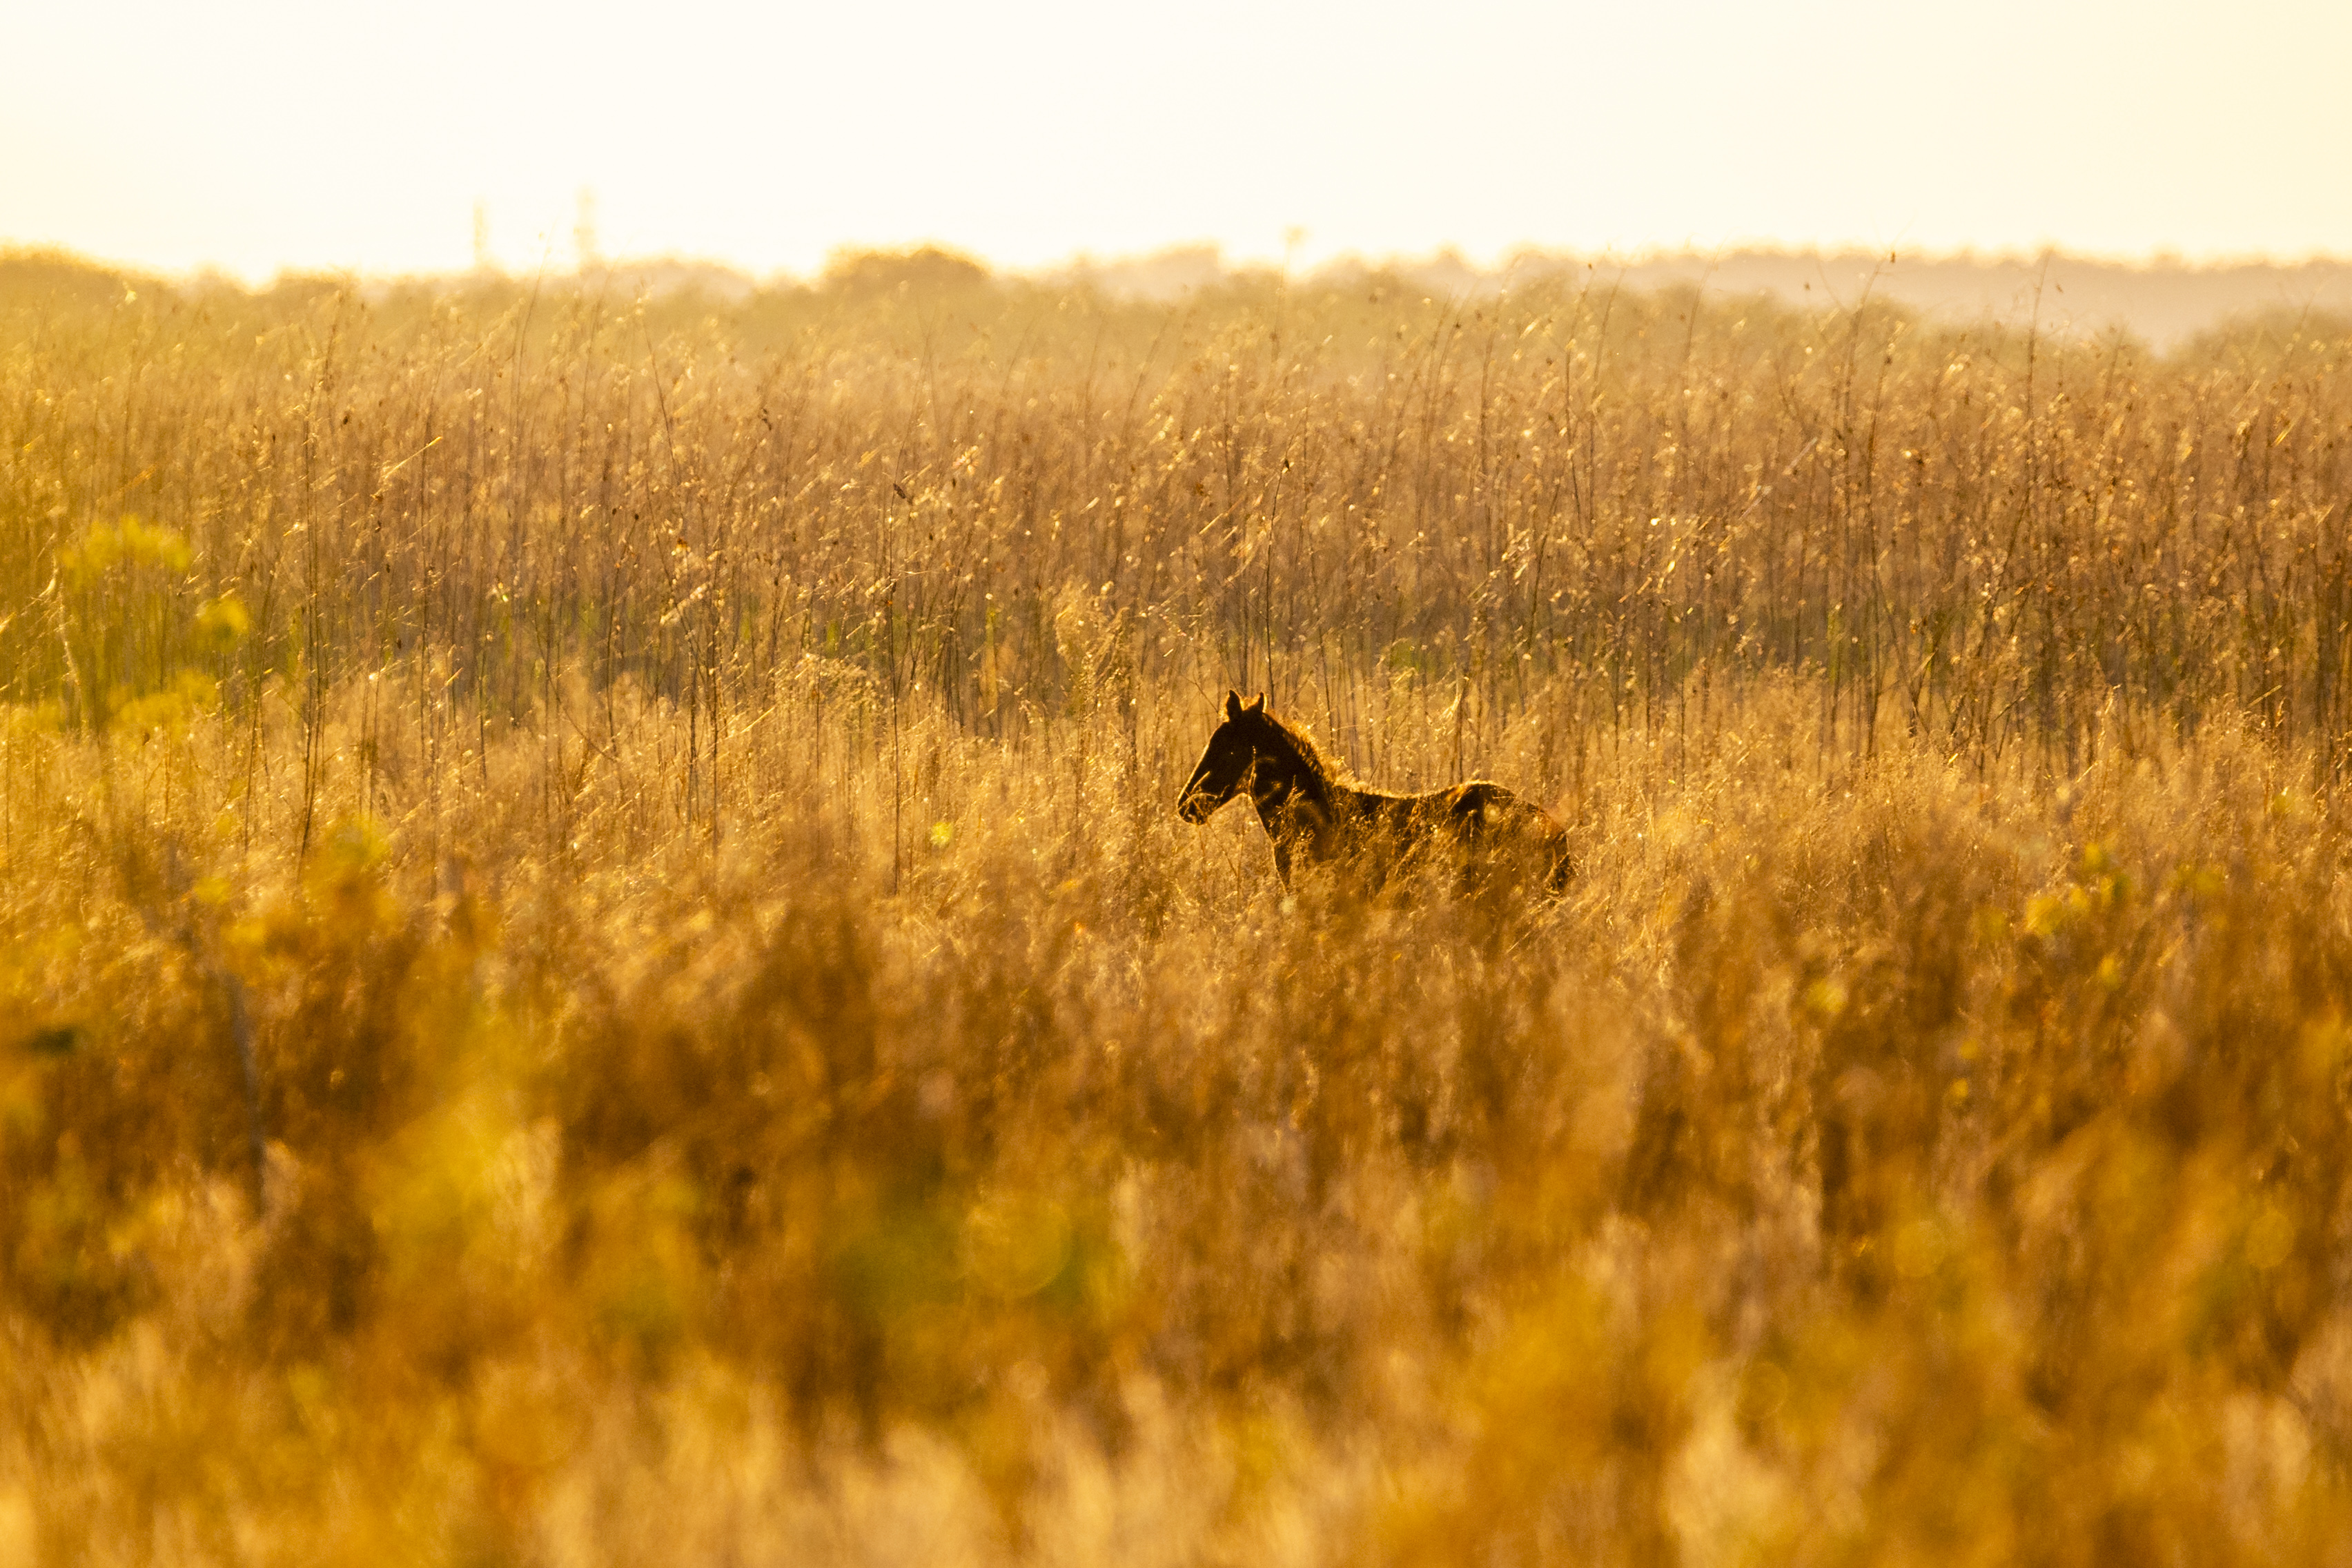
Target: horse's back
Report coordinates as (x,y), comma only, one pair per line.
(1491,836)
(1499,836)
(1513,834)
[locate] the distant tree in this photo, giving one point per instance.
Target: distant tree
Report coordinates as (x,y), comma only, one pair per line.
(926,269)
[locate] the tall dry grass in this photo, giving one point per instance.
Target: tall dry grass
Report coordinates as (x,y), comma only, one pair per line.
(597,964)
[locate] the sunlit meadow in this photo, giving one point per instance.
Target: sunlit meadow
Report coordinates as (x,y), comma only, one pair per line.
(597,965)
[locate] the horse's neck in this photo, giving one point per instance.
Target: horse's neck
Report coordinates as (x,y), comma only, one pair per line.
(1280,787)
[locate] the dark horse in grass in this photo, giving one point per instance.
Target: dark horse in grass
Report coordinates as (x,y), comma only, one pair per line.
(1481,830)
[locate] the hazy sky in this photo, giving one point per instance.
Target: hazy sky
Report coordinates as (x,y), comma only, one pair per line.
(257,135)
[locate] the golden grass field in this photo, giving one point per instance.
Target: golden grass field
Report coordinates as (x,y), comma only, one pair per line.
(597,965)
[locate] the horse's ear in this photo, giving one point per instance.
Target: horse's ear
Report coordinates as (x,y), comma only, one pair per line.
(1257,704)
(1233,703)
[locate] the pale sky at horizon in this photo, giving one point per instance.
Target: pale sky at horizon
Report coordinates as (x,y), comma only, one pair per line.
(269,134)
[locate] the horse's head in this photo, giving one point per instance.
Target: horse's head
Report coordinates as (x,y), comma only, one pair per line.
(1224,769)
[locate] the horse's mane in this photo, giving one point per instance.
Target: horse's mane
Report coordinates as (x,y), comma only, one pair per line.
(1303,747)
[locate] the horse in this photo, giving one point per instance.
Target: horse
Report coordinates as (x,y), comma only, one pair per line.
(1317,820)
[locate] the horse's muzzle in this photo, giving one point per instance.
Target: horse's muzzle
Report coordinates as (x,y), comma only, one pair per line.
(1195,806)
